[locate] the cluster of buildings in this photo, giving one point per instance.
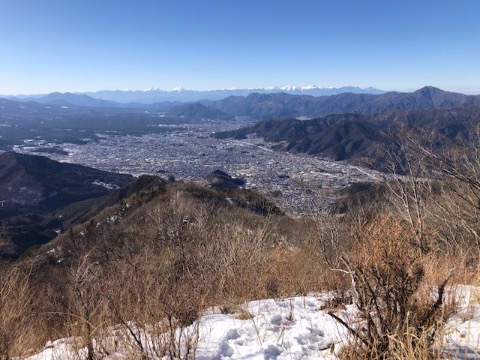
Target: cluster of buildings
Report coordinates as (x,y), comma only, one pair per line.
(297,182)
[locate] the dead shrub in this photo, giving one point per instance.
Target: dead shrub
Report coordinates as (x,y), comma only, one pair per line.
(396,307)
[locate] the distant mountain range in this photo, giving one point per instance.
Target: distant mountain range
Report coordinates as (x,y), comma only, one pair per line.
(278,105)
(187,95)
(154,95)
(346,126)
(57,98)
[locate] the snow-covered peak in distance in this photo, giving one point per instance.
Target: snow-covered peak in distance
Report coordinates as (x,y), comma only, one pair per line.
(271,88)
(274,88)
(156,89)
(311,87)
(180,89)
(328,90)
(290,88)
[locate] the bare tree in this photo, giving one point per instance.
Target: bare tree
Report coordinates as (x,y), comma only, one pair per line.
(446,174)
(85,304)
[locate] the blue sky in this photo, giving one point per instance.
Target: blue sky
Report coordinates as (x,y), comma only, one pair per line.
(89,45)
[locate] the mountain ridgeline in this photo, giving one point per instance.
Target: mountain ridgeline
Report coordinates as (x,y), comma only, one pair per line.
(153,95)
(276,104)
(197,111)
(269,106)
(359,138)
(40,197)
(347,126)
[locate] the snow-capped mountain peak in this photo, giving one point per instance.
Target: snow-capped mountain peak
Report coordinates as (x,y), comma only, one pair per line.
(309,87)
(289,88)
(180,89)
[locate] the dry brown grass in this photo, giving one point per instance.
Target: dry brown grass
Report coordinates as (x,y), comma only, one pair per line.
(409,346)
(15,312)
(393,279)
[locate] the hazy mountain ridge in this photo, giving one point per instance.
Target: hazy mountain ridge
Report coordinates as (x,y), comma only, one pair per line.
(75,99)
(189,95)
(154,95)
(190,110)
(197,111)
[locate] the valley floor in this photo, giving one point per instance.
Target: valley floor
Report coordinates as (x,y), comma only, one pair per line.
(300,182)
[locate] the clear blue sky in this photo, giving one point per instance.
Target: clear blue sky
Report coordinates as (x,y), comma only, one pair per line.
(89,45)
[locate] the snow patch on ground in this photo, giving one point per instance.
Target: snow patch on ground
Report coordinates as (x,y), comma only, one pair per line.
(462,331)
(291,328)
(110,186)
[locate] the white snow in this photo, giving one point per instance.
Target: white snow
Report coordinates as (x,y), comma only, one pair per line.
(271,88)
(289,88)
(462,332)
(176,89)
(309,87)
(291,328)
(179,89)
(110,186)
